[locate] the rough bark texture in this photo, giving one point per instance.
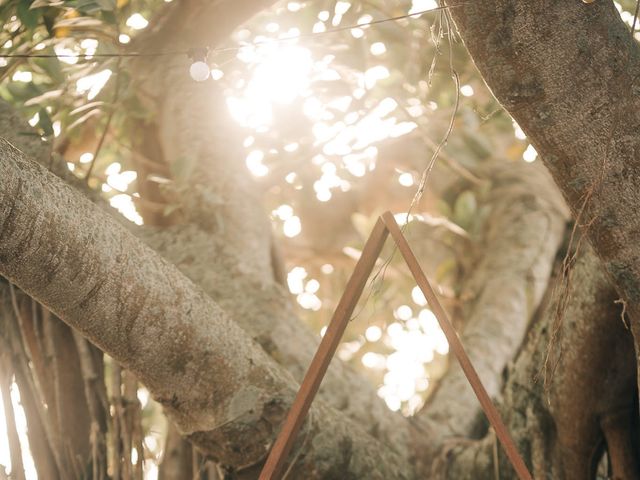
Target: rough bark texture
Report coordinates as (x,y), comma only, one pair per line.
(589,395)
(502,292)
(223,241)
(568,72)
(221,389)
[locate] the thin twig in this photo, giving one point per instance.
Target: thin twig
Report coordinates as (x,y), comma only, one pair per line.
(17,467)
(496,459)
(116,420)
(90,377)
(107,126)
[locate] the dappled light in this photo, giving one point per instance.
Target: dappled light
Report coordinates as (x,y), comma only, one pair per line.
(320,116)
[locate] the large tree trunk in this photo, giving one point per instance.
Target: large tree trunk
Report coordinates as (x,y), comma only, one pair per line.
(570,391)
(571,83)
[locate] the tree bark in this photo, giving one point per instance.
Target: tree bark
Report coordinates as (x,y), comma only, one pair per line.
(568,72)
(222,390)
(570,390)
(500,294)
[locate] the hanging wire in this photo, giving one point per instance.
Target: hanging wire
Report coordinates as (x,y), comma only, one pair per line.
(227,49)
(375,284)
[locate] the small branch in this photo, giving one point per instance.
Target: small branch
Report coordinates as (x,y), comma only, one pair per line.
(116,421)
(114,102)
(6,374)
(92,383)
(132,414)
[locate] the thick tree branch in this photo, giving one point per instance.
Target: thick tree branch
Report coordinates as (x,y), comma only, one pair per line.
(569,73)
(561,416)
(225,233)
(503,291)
(222,390)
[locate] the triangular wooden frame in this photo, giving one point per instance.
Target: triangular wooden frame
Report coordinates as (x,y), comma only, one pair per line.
(385,225)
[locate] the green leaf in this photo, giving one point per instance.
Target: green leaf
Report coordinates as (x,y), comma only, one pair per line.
(49,20)
(46,3)
(81,22)
(28,17)
(92,6)
(478,144)
(50,66)
(84,6)
(465,209)
(45,122)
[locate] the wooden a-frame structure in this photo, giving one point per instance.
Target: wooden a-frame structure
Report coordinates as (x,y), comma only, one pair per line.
(385,225)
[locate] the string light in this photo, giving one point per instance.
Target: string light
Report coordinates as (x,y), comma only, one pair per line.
(199,69)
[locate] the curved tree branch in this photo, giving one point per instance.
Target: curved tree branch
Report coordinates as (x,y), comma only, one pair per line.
(502,293)
(222,390)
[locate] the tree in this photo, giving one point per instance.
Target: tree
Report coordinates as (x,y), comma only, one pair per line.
(192,303)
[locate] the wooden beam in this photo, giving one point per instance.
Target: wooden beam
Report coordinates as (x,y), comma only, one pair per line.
(281,448)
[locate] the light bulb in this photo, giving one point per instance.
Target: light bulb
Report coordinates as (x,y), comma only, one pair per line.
(199,71)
